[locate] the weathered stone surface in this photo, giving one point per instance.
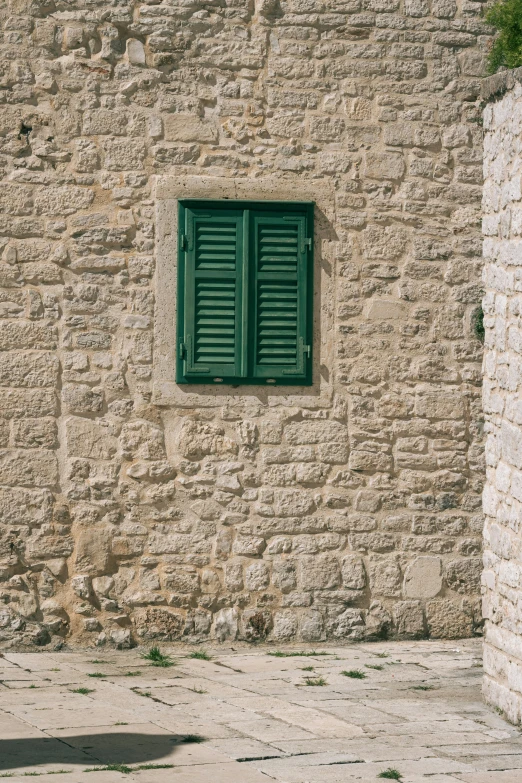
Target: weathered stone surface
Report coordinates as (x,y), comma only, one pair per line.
(446,620)
(330,511)
(385,165)
(92,554)
(319,572)
(185,127)
(386,577)
(25,506)
(423,578)
(88,439)
(35,433)
(315,432)
(62,201)
(24,368)
(409,619)
(502,498)
(35,468)
(21,336)
(17,403)
(157,623)
(353,572)
(124,154)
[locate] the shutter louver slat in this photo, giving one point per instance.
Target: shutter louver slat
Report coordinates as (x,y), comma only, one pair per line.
(280,296)
(214,288)
(277,323)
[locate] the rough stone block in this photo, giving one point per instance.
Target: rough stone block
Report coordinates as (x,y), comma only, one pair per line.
(385,165)
(423,578)
(17,403)
(63,200)
(33,468)
(320,572)
(25,506)
(305,432)
(186,127)
(22,368)
(35,433)
(86,438)
(93,551)
(448,620)
(434,405)
(24,336)
(104,122)
(124,154)
(385,577)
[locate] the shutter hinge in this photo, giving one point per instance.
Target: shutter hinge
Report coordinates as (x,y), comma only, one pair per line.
(182,351)
(184,242)
(307,350)
(308,242)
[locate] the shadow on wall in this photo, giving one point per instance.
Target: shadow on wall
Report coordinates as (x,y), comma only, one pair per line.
(90,749)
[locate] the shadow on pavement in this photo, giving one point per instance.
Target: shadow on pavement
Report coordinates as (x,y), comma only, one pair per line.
(90,749)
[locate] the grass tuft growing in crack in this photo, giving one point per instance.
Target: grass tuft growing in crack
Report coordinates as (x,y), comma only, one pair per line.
(127,770)
(155,766)
(315,681)
(97,674)
(111,768)
(193,739)
(296,654)
(390,774)
(83,691)
(157,658)
(200,655)
(35,774)
(355,674)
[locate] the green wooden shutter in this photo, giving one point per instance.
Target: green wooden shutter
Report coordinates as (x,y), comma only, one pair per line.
(245,292)
(280,317)
(211,343)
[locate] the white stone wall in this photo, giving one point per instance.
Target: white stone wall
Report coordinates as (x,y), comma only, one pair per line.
(133,509)
(502,226)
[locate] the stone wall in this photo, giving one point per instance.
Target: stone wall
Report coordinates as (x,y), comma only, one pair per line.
(502,226)
(132,509)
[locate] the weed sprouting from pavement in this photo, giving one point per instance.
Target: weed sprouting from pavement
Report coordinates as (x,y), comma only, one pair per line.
(315,681)
(195,689)
(154,766)
(390,774)
(111,768)
(200,655)
(296,654)
(157,658)
(355,674)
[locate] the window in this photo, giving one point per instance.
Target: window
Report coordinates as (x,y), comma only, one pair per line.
(245,292)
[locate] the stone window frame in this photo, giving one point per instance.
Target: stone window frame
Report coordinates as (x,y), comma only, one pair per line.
(168,190)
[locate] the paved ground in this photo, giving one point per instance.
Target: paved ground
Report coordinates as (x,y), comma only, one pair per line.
(248,716)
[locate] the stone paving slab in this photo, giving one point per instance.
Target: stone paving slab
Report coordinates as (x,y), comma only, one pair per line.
(249,716)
